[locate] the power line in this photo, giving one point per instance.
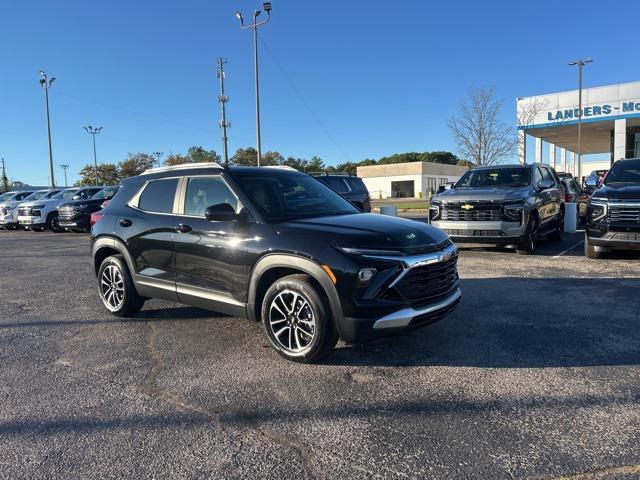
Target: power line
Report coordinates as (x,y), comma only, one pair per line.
(303,101)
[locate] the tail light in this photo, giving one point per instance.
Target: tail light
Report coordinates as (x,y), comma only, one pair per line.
(96,217)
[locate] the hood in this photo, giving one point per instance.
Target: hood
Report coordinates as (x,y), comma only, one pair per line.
(622,191)
(367,230)
(480,194)
(12,204)
(86,202)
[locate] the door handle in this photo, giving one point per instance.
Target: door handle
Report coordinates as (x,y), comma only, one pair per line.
(125,222)
(182,228)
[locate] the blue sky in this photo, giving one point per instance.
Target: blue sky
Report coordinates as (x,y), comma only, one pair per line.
(342,80)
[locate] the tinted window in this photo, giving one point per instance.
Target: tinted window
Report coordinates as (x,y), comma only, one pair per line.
(547,175)
(158,196)
(203,192)
(281,197)
(22,195)
(624,172)
(6,196)
(338,184)
(105,193)
(496,177)
(356,184)
(66,194)
(35,195)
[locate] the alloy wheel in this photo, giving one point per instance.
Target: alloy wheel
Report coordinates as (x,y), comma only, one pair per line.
(112,287)
(292,321)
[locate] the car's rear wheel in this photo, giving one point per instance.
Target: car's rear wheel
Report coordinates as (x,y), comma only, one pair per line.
(556,235)
(590,249)
(528,244)
(117,291)
(52,223)
(297,323)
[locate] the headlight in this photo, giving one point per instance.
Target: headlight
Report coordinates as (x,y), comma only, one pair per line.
(371,252)
(38,206)
(434,210)
(513,211)
(597,210)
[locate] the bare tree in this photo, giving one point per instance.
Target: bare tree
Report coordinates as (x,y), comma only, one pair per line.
(526,115)
(480,134)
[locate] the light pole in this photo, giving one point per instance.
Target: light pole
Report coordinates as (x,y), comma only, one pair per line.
(64,169)
(267,8)
(45,83)
(580,63)
(158,155)
(93,132)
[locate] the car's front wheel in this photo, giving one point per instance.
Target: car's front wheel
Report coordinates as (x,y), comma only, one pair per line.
(590,249)
(528,244)
(117,291)
(52,223)
(297,323)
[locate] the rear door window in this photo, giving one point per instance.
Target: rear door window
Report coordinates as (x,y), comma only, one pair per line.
(356,184)
(158,196)
(337,184)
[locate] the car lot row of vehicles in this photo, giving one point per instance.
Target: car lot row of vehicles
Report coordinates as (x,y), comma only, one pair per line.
(56,209)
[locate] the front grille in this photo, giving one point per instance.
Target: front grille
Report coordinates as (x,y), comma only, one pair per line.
(427,248)
(473,233)
(24,211)
(65,211)
(472,212)
(426,284)
(618,213)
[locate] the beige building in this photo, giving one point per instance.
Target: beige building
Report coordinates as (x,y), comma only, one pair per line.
(408,180)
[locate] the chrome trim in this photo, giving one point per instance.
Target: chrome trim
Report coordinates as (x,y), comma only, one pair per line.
(184,166)
(207,294)
(413,261)
(402,318)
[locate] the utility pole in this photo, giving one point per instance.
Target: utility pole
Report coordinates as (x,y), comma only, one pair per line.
(254,26)
(45,83)
(158,155)
(64,168)
(223,99)
(93,132)
(5,180)
(580,63)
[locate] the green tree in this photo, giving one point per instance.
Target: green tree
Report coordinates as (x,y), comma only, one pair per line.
(297,163)
(199,155)
(107,175)
(245,157)
(272,158)
(135,164)
(177,159)
(316,165)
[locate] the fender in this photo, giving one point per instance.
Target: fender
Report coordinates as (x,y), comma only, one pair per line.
(303,264)
(111,242)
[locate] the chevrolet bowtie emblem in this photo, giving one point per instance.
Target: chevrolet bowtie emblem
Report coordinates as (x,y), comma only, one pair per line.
(467,207)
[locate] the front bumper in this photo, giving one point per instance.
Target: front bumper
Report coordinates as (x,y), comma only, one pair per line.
(75,221)
(499,232)
(31,221)
(363,329)
(617,240)
(8,220)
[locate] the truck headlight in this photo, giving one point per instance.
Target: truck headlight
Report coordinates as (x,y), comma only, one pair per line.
(434,210)
(513,211)
(597,211)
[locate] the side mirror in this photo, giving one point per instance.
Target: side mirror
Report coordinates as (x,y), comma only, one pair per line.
(76,197)
(441,189)
(222,212)
(545,183)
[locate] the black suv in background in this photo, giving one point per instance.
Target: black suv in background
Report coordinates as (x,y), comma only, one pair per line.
(613,218)
(351,188)
(275,245)
(76,215)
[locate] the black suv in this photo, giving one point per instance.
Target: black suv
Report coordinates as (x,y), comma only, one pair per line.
(275,245)
(351,188)
(613,214)
(76,215)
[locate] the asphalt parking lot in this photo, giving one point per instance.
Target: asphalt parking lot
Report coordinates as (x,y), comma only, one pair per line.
(535,375)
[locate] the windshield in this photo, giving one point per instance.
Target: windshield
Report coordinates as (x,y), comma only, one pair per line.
(36,195)
(496,177)
(66,194)
(624,172)
(105,193)
(284,196)
(51,194)
(6,196)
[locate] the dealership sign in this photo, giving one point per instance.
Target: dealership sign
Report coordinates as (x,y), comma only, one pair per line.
(594,111)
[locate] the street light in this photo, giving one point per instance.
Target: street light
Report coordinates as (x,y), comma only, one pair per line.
(45,83)
(158,155)
(580,63)
(93,132)
(267,8)
(64,168)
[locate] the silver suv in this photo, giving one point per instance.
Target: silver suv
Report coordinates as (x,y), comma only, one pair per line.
(506,204)
(9,208)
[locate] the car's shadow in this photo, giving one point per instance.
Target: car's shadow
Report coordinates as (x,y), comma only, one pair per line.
(520,323)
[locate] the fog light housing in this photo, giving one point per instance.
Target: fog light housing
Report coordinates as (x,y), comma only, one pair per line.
(366,274)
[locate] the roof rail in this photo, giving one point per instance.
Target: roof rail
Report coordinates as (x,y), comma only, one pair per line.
(281,167)
(182,166)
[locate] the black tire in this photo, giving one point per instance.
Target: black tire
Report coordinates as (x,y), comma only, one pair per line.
(311,332)
(52,223)
(37,229)
(527,245)
(589,249)
(556,235)
(114,276)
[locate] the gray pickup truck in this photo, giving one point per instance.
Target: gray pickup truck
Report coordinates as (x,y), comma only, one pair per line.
(505,204)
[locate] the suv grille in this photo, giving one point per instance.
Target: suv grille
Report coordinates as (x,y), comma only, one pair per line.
(472,212)
(24,211)
(619,213)
(65,212)
(426,284)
